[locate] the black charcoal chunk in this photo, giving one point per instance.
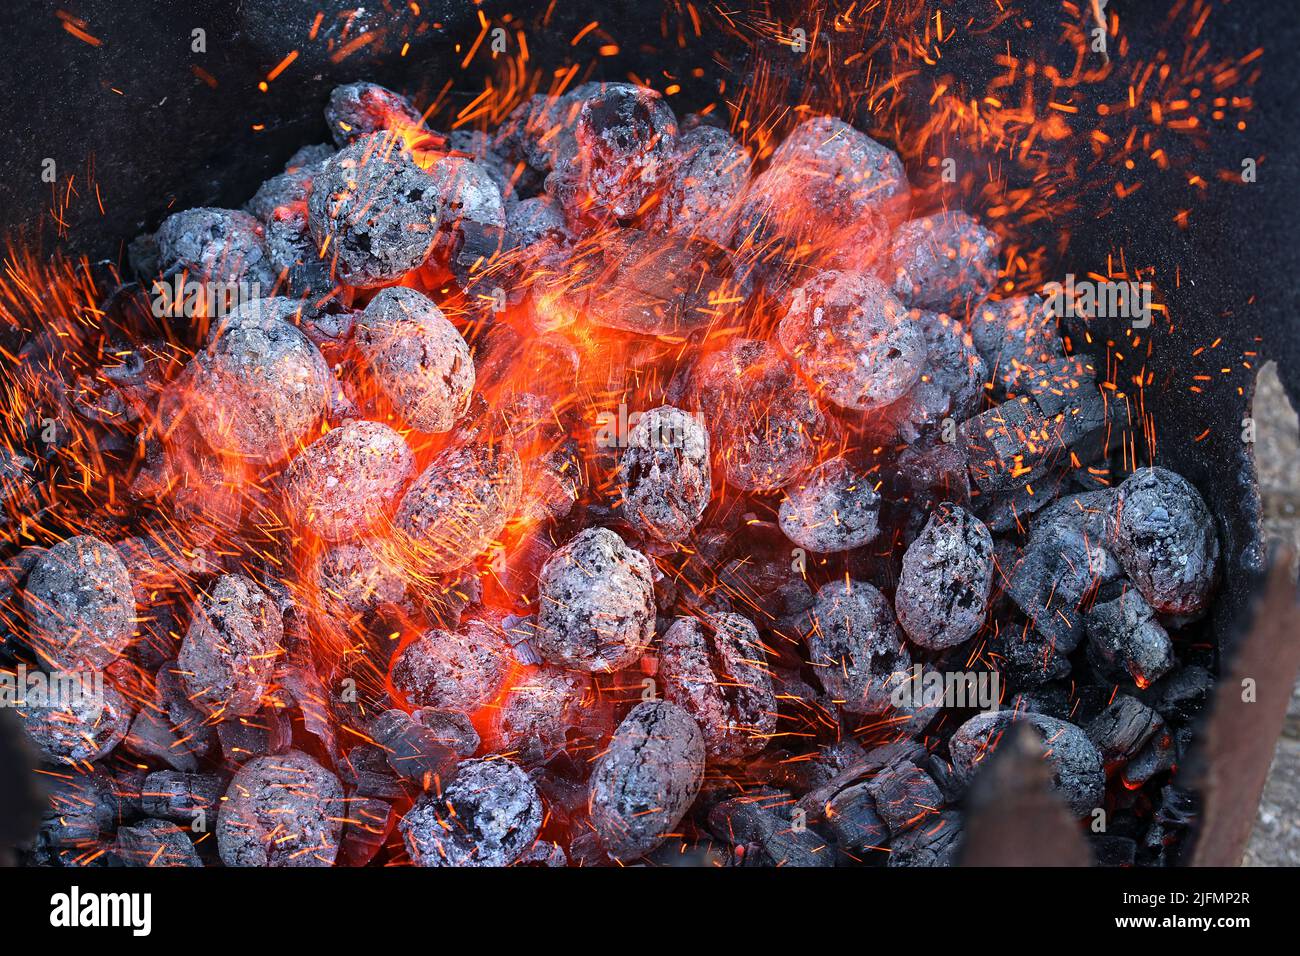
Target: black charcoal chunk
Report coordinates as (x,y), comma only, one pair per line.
(184,797)
(1125,640)
(85,727)
(488,816)
(951,383)
(935,842)
(1015,337)
(851,816)
(1181,694)
(770,830)
(414,751)
(156,843)
(709,173)
(1123,728)
(532,719)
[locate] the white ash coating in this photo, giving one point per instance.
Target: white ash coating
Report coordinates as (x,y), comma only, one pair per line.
(467,192)
(340,484)
(281,810)
(943,590)
(856,646)
(597,609)
(215,245)
(646,779)
(355,110)
(665,475)
(830,508)
(489,815)
(459,505)
(533,717)
(709,173)
(1016,337)
(377,209)
(947,262)
(846,156)
(228,654)
(1077,773)
(83,729)
(417,357)
(453,671)
(716,670)
(951,383)
(1166,541)
(80,604)
(854,339)
(259,386)
(532,220)
(359,576)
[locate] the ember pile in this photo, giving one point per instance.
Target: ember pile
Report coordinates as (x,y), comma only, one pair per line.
(579,493)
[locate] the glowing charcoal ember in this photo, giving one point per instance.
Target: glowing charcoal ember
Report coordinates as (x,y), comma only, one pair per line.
(831,508)
(555,482)
(1015,337)
(281,810)
(1008,446)
(458,506)
(377,210)
(664,475)
(716,670)
(646,779)
(293,254)
(288,189)
(951,382)
(368,823)
(534,715)
(540,129)
(944,263)
(597,610)
(451,728)
(453,671)
(413,750)
(214,245)
(848,158)
(466,192)
(532,220)
(83,728)
(489,815)
(762,421)
(1123,728)
(356,110)
(156,843)
(1166,540)
(856,646)
(943,592)
(79,605)
(418,358)
(187,798)
(259,386)
(1077,773)
(1125,640)
(359,577)
(228,654)
(709,173)
(853,340)
(340,484)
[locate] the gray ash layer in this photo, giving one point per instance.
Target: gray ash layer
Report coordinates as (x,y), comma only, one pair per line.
(665,473)
(227,657)
(81,730)
(709,172)
(215,245)
(947,576)
(450,671)
(856,646)
(831,508)
(944,263)
(542,704)
(80,605)
(360,576)
(489,815)
(281,810)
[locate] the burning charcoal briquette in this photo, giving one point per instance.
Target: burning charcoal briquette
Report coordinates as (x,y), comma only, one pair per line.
(459,505)
(951,383)
(79,605)
(853,339)
(947,576)
(665,475)
(1077,773)
(341,483)
(646,779)
(259,385)
(215,245)
(228,654)
(851,816)
(450,727)
(467,194)
(1015,337)
(716,670)
(1123,728)
(281,810)
(489,815)
(856,646)
(413,750)
(708,175)
(536,712)
(1125,639)
(532,220)
(287,190)
(453,671)
(359,109)
(1166,541)
(597,610)
(417,357)
(360,576)
(831,508)
(377,209)
(945,263)
(81,729)
(183,797)
(156,843)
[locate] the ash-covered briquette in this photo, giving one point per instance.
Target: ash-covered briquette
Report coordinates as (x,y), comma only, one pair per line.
(852,160)
(453,671)
(449,727)
(596,603)
(856,646)
(1126,641)
(1123,729)
(489,815)
(376,208)
(417,357)
(360,576)
(79,604)
(716,670)
(830,508)
(458,506)
(80,730)
(708,174)
(646,779)
(853,339)
(535,713)
(340,484)
(1077,773)
(215,245)
(1014,337)
(228,654)
(943,591)
(665,475)
(534,220)
(943,263)
(359,109)
(281,810)
(156,843)
(183,797)
(259,385)
(1166,540)
(951,383)
(762,421)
